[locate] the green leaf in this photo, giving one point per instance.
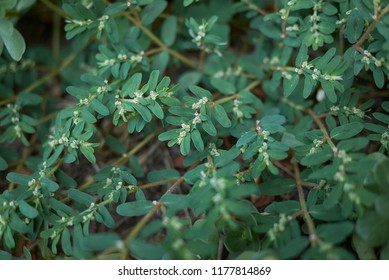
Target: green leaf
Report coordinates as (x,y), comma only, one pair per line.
(107,218)
(302,55)
(145,250)
(27,210)
(88,152)
(5,255)
(65,242)
(17,224)
(354,26)
(189,78)
(226,157)
(81,197)
(162,175)
(185,145)
(329,91)
(347,130)
(382,205)
(115,8)
(134,208)
(99,107)
(323,60)
(308,86)
(169,30)
(223,86)
(379,78)
(335,232)
(209,128)
(156,109)
(8,238)
(168,135)
(293,247)
(3,164)
(373,228)
(143,111)
(197,140)
(152,11)
(187,2)
(277,187)
(100,241)
(246,138)
(49,184)
(221,116)
(381,174)
(20,179)
(132,84)
(239,208)
(115,145)
(290,84)
(13,40)
(153,80)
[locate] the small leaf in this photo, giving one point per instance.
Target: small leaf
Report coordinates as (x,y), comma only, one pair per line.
(81,197)
(169,30)
(354,26)
(329,91)
(88,153)
(100,241)
(197,140)
(20,179)
(107,218)
(99,107)
(27,210)
(347,130)
(3,164)
(223,86)
(162,175)
(379,78)
(335,232)
(373,228)
(134,208)
(221,116)
(308,86)
(290,84)
(13,41)
(65,242)
(302,55)
(381,174)
(152,11)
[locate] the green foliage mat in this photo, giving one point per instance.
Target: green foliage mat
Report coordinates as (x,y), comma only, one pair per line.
(153,129)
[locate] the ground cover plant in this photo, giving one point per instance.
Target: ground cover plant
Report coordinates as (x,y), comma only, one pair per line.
(153,129)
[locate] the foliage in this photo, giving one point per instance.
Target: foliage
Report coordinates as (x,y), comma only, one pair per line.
(276,114)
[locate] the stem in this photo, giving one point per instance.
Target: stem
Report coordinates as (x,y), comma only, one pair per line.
(371,28)
(50,75)
(202,60)
(311,227)
(56,41)
(341,41)
(139,226)
(324,130)
(225,99)
(139,146)
(134,232)
(254,7)
(59,163)
(121,160)
(156,184)
(234,96)
(45,78)
(54,8)
(156,40)
(8,100)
